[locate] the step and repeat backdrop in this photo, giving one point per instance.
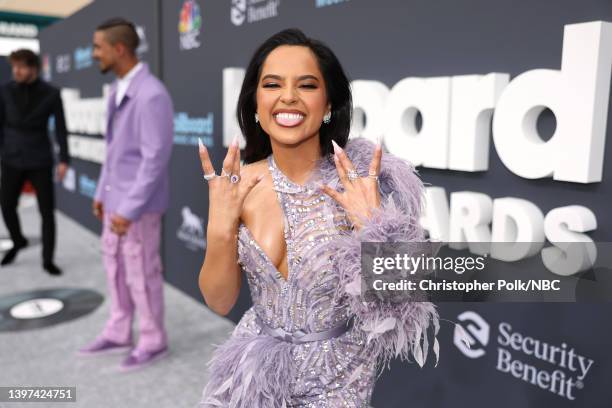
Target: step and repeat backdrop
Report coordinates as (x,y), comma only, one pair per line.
(503,106)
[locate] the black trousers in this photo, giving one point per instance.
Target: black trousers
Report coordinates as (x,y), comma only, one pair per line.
(11,183)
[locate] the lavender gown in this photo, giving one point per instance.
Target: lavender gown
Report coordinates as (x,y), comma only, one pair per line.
(256,370)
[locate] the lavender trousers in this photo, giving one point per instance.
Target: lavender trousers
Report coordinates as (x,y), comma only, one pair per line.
(135,282)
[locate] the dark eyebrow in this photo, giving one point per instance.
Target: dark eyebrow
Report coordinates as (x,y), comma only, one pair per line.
(278,77)
(308,77)
(270,76)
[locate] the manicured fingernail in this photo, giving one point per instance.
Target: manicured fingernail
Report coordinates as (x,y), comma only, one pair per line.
(235,141)
(379,141)
(200,144)
(337,148)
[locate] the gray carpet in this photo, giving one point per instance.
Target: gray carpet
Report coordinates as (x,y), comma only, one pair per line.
(45,357)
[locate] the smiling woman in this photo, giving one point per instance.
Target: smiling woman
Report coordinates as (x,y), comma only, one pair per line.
(293,220)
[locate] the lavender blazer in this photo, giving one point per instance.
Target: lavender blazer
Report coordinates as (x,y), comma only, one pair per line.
(139,134)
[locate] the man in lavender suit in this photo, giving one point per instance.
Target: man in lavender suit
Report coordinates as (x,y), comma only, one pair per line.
(132,195)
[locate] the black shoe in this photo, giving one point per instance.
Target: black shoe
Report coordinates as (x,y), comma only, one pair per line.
(52,269)
(10,255)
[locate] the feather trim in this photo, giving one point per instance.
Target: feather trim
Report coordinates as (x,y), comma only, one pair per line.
(392,329)
(250,371)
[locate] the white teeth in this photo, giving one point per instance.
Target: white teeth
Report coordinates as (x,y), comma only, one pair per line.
(290,116)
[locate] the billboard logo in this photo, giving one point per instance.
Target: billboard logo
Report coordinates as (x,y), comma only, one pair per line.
(87,186)
(187,130)
(82,57)
(190,24)
(191,231)
(253,10)
(46,67)
(85,115)
(324,3)
(454,138)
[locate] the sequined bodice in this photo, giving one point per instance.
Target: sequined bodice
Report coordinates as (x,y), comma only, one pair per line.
(305,300)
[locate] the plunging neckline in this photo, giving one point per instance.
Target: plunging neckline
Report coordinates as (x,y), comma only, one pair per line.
(281,184)
(264,255)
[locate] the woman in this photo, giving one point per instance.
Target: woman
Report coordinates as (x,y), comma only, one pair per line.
(293,220)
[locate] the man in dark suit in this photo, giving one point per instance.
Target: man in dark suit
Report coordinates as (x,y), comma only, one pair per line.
(26,103)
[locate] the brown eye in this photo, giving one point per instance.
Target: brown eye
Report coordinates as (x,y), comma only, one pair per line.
(270,85)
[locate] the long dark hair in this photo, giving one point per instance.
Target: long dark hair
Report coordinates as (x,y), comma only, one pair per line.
(336,83)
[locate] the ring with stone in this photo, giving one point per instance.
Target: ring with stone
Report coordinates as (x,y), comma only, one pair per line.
(234,178)
(210,176)
(352,175)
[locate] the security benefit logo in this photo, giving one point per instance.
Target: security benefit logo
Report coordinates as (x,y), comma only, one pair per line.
(190,25)
(253,11)
(191,230)
(550,366)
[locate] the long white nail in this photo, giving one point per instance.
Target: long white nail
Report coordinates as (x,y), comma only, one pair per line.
(337,148)
(235,141)
(379,140)
(201,145)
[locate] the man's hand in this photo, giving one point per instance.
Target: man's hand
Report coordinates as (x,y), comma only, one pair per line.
(119,225)
(61,170)
(98,209)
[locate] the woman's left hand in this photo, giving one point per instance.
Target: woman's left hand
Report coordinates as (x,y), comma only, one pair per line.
(361,195)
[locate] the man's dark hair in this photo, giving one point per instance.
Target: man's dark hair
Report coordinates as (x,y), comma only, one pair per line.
(26,56)
(120,30)
(258,144)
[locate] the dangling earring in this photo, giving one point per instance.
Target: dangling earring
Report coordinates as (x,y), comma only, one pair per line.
(256,118)
(327,118)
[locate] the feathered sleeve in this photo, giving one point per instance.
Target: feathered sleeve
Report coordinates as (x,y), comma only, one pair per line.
(393,329)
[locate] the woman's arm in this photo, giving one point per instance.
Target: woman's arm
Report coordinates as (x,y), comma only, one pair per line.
(220,275)
(393,329)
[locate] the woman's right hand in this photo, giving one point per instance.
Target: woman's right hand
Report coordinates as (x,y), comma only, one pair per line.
(226,198)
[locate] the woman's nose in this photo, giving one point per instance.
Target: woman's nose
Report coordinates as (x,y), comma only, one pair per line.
(288,95)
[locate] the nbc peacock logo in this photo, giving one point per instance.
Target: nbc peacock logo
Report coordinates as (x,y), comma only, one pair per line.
(46,67)
(190,25)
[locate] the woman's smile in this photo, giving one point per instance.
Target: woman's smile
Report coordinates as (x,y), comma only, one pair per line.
(288,118)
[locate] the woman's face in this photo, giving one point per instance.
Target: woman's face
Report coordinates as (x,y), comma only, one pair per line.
(291,97)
